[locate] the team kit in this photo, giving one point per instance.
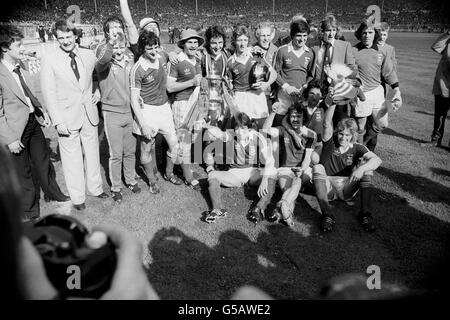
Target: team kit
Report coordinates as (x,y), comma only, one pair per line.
(301,115)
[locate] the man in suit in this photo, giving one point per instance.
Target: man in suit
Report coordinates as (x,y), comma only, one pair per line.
(21,115)
(331,50)
(66,79)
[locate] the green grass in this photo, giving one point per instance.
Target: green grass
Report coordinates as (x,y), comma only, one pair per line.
(189,259)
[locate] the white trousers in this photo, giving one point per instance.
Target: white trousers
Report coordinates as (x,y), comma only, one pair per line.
(80,158)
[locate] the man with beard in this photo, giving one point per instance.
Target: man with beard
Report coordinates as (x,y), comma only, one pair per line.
(294,162)
(345,168)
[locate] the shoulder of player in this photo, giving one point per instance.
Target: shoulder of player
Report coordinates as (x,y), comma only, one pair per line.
(359,146)
(137,68)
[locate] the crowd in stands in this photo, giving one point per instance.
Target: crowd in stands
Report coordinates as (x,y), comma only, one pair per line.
(402,14)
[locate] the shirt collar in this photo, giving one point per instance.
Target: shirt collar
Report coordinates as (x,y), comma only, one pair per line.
(182,57)
(147,64)
(75,51)
(246,55)
(9,66)
(330,43)
(291,47)
(361,46)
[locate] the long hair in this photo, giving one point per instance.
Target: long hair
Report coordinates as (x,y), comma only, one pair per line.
(147,38)
(328,22)
(348,124)
(314,84)
(241,120)
(365,25)
(214,32)
(10,227)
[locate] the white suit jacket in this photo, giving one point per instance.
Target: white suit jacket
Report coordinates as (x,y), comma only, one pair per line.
(66,98)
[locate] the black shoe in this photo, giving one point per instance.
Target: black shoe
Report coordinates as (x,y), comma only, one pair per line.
(103,195)
(327,223)
(79,207)
(134,188)
(117,196)
(256,215)
(275,215)
(366,221)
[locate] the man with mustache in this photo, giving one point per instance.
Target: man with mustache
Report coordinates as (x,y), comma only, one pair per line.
(294,166)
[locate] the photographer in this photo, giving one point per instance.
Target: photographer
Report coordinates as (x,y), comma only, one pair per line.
(26,277)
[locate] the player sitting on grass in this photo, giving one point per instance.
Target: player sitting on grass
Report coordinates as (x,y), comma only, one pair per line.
(345,168)
(292,157)
(250,152)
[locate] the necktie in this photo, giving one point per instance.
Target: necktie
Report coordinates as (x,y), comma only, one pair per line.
(74,66)
(325,61)
(35,105)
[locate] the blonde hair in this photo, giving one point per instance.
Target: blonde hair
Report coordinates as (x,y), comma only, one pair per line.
(350,125)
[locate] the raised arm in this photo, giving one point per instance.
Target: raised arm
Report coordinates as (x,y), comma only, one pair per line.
(441,42)
(133,33)
(311,139)
(104,55)
(328,123)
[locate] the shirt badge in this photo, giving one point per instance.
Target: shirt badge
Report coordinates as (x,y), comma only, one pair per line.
(288,61)
(187,71)
(150,78)
(349,159)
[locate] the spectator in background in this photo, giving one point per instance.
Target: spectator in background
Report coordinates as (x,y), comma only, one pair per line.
(441,87)
(41,32)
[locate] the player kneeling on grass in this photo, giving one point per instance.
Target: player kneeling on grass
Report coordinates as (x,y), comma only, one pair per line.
(295,158)
(151,107)
(250,152)
(345,168)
